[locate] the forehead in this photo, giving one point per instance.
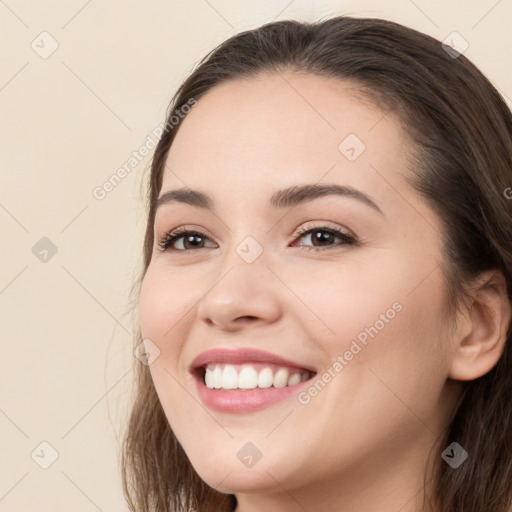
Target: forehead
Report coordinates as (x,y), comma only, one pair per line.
(285,128)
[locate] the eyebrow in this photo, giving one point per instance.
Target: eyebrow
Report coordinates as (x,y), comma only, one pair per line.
(285,198)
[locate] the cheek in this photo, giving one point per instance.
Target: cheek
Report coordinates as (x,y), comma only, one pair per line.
(390,321)
(163,304)
(404,344)
(166,308)
(392,368)
(163,319)
(344,301)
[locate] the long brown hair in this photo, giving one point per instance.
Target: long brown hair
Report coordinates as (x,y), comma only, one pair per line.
(462,133)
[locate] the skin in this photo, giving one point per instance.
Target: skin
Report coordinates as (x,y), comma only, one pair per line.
(363,441)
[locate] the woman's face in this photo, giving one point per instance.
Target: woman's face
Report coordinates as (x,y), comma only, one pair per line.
(344,336)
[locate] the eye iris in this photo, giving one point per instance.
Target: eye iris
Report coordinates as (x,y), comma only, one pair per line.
(322,237)
(194,239)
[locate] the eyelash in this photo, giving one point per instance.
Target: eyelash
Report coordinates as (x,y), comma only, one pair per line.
(169,238)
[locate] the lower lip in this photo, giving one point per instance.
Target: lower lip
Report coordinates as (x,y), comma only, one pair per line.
(243,401)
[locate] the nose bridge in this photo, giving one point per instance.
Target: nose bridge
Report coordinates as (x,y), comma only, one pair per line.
(243,286)
(248,243)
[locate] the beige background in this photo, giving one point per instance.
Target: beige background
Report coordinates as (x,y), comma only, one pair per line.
(68,122)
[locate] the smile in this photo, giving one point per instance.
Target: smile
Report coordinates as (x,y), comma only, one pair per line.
(246,380)
(251,376)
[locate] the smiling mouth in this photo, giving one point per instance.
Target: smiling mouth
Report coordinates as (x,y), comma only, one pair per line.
(247,380)
(224,376)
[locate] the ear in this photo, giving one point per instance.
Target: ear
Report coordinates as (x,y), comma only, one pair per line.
(483,324)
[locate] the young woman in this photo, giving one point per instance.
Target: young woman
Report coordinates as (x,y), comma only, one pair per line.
(325,298)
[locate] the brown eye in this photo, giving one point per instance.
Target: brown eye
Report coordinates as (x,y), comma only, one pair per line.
(324,236)
(191,240)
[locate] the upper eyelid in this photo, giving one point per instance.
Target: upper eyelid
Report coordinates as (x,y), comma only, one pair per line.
(184,229)
(299,232)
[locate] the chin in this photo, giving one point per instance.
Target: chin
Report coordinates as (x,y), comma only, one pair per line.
(238,481)
(225,472)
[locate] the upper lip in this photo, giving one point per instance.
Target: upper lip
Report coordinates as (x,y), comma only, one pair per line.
(244,355)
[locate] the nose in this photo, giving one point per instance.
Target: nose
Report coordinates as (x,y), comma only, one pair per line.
(244,294)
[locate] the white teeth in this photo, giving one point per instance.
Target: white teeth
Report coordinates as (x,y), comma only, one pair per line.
(208,378)
(281,378)
(229,377)
(217,377)
(226,376)
(265,378)
(293,379)
(248,378)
